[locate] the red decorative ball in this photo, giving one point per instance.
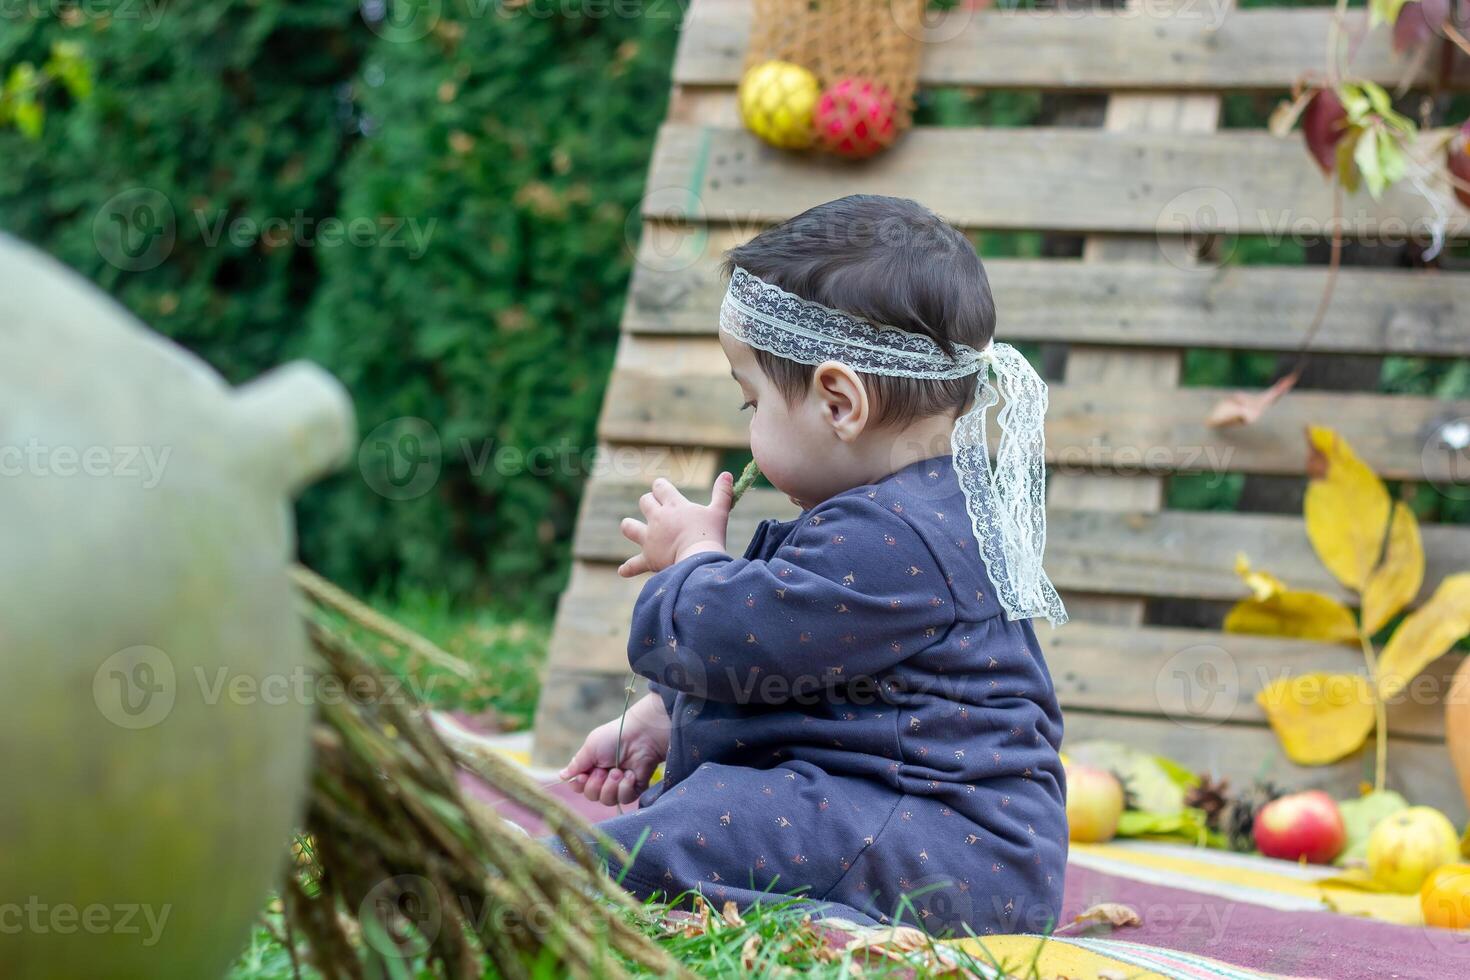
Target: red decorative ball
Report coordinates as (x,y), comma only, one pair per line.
(855,118)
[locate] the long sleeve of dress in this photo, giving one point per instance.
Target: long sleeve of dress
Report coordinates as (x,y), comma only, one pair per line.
(852,591)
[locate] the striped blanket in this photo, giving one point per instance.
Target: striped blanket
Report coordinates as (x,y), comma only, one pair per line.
(1202,914)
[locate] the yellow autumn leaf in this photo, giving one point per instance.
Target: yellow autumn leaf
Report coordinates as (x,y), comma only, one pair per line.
(1263,585)
(1319,718)
(1395,582)
(1347,508)
(1304,615)
(1425,635)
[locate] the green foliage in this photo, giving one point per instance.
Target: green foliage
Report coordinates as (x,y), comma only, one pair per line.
(199,114)
(442,217)
(23,88)
(505,651)
(522,142)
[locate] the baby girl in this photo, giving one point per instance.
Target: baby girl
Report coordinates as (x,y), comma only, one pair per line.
(856,710)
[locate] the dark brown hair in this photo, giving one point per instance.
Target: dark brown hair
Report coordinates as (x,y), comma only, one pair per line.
(889,260)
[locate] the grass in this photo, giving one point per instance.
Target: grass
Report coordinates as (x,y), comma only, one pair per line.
(774,940)
(506,652)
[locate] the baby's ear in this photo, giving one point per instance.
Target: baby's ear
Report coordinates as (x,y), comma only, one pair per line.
(843,397)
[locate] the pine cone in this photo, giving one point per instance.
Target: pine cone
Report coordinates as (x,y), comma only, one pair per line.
(1212,796)
(1238,819)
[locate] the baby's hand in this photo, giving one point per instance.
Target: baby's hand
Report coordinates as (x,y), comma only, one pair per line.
(677,527)
(594,770)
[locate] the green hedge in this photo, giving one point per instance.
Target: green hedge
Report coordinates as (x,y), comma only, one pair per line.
(523,140)
(199,111)
(482,162)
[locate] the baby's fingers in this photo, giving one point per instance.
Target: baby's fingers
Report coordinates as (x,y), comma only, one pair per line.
(592,788)
(722,494)
(665,492)
(618,780)
(636,565)
(634,530)
(630,787)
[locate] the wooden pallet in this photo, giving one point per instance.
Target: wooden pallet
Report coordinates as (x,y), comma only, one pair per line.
(1140,188)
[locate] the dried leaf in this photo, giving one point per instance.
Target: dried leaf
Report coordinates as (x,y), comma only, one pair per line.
(731,914)
(1113,913)
(1286,113)
(1319,718)
(1425,635)
(1396,580)
(903,938)
(1245,407)
(749,951)
(1323,125)
(1347,508)
(696,922)
(1303,615)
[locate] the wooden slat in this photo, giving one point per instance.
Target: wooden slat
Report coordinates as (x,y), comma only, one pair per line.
(1048,179)
(683,464)
(1134,430)
(1170,553)
(1374,311)
(1201,679)
(1246,753)
(1130,369)
(1095,50)
(591,631)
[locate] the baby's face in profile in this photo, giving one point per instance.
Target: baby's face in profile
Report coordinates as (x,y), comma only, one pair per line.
(808,447)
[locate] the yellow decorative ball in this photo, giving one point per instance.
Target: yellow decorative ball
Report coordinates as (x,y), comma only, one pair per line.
(776,101)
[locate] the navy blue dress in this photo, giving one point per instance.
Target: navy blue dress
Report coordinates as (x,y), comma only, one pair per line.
(855,720)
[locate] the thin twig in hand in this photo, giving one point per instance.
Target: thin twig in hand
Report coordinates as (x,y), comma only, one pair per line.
(623,720)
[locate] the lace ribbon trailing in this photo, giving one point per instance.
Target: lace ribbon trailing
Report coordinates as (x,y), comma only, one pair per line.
(1006,502)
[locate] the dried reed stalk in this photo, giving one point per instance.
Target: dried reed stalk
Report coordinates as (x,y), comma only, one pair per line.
(401,866)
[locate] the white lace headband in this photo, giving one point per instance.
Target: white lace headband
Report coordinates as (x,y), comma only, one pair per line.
(1007,503)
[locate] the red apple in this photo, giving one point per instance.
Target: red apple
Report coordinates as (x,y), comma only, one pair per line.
(1302,826)
(1094,804)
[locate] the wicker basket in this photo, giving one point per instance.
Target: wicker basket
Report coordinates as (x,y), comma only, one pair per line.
(864,55)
